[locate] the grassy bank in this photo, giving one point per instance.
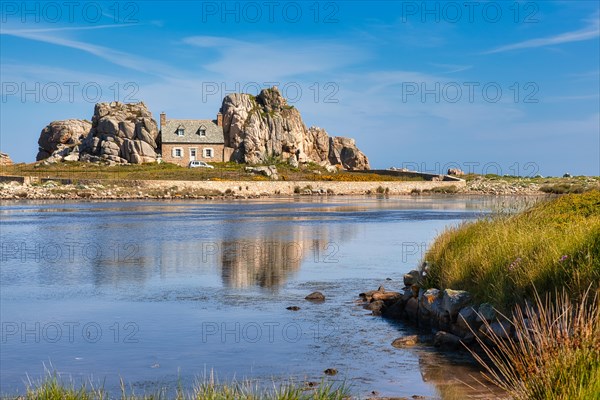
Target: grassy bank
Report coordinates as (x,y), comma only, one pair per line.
(228,171)
(500,259)
(541,269)
(52,387)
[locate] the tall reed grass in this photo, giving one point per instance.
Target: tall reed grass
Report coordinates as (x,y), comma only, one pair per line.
(553,353)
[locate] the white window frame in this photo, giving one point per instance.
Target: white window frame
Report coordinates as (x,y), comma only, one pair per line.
(180,132)
(208,150)
(177,149)
(202,132)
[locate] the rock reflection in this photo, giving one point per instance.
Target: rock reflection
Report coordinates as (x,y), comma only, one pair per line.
(271,258)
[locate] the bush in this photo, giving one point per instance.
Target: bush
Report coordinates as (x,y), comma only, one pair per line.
(562,188)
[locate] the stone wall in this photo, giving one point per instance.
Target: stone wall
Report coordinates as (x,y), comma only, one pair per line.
(289,187)
(167,156)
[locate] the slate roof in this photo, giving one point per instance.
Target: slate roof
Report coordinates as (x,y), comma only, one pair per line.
(214,133)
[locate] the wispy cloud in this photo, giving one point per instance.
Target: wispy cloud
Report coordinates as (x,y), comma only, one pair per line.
(274,59)
(452,68)
(592,31)
(120,58)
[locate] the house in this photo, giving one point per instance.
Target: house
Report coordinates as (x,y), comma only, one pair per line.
(185,140)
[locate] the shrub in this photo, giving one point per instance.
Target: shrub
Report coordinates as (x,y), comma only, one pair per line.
(562,188)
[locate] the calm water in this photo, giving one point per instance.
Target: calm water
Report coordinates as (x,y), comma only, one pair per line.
(161,292)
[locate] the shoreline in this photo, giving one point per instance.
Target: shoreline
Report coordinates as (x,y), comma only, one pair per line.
(33,188)
(86,189)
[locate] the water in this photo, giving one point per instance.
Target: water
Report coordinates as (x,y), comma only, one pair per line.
(161,293)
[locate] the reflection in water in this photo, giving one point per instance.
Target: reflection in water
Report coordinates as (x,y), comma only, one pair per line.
(270,258)
(264,262)
(462,380)
(173,268)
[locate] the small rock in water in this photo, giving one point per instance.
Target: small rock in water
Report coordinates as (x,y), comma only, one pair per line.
(157,365)
(315,296)
(330,371)
(405,341)
(292,308)
(388,279)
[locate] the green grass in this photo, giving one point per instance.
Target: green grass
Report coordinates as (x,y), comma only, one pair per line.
(226,171)
(555,353)
(53,387)
(500,259)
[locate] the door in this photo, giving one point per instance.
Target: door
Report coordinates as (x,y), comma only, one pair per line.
(192,154)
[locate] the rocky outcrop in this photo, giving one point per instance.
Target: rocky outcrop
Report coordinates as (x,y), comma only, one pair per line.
(59,135)
(265,126)
(5,160)
(451,314)
(119,133)
(343,151)
(122,133)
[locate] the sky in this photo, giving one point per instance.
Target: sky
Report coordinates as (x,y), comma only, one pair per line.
(505,87)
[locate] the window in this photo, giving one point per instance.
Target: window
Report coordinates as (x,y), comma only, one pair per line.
(180,131)
(202,132)
(192,154)
(178,152)
(208,153)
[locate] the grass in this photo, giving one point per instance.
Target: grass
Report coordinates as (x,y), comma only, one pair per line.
(226,171)
(501,258)
(554,353)
(53,387)
(549,251)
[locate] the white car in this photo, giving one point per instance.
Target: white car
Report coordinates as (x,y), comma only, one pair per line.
(199,164)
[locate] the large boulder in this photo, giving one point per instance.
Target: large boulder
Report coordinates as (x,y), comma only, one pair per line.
(131,131)
(60,134)
(119,133)
(343,151)
(265,126)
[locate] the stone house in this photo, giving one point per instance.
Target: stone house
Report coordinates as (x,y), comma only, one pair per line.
(185,140)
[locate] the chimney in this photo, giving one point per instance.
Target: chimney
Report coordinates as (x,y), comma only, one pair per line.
(163,120)
(220,119)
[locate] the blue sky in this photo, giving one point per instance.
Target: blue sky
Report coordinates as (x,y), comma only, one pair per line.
(509,87)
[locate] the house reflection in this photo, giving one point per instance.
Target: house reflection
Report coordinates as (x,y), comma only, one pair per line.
(265,261)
